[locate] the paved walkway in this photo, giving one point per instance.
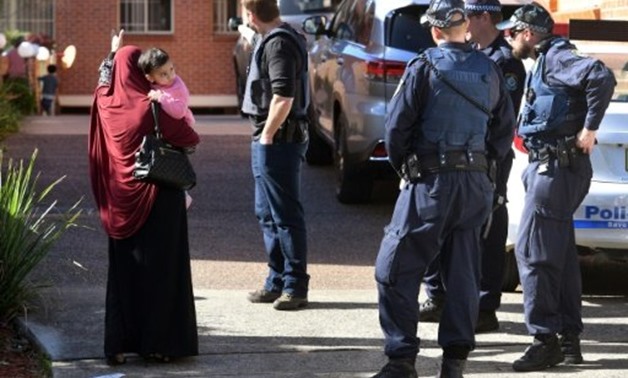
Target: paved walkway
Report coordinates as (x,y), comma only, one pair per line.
(338,335)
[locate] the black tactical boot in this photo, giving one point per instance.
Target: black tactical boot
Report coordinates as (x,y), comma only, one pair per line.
(540,355)
(451,368)
(570,345)
(487,322)
(398,368)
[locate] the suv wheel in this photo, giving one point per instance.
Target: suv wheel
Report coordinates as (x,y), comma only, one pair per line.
(352,186)
(318,151)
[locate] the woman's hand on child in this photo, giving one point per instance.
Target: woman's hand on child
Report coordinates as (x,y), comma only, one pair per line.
(155,95)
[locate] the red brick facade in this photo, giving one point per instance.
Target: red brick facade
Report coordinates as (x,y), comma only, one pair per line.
(587,9)
(203,58)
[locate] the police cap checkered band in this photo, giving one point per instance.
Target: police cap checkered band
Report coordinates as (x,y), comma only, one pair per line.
(441,14)
(531,16)
(480,6)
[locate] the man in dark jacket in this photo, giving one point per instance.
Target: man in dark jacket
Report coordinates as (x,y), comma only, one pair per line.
(275,100)
(566,97)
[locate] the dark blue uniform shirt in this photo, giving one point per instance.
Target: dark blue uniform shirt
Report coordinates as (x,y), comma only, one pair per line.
(512,68)
(564,65)
(407,105)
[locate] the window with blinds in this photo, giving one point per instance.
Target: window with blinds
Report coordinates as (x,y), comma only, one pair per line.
(32,16)
(223,10)
(146,16)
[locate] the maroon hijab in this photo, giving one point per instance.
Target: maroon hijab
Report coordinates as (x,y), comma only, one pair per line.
(120,117)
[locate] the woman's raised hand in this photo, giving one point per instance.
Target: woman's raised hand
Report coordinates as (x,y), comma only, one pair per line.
(116,40)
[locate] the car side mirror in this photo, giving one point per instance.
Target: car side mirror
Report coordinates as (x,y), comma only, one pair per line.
(234,22)
(314,25)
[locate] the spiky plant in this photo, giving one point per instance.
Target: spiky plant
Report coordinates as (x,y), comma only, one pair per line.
(27,231)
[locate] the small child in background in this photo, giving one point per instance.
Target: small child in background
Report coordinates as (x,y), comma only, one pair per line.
(168,89)
(49,89)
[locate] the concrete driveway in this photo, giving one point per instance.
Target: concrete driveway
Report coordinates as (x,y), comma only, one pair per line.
(338,335)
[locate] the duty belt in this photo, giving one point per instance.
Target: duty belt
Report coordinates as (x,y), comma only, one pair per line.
(565,151)
(541,154)
(454,161)
(416,167)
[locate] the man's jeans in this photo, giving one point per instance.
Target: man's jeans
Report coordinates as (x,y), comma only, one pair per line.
(277,174)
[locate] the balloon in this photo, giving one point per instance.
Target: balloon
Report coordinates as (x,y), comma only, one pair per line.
(43,54)
(27,49)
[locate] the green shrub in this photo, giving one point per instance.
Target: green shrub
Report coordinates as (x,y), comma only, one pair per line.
(9,114)
(27,231)
(20,95)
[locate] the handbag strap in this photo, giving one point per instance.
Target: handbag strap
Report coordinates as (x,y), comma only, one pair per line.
(425,59)
(154,106)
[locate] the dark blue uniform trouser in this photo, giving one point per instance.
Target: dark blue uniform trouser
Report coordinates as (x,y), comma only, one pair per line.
(493,251)
(546,250)
(451,207)
(492,268)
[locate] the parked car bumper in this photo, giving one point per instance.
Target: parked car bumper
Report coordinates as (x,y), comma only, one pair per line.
(365,135)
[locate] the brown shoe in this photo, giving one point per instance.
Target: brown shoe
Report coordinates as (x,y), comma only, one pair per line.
(263,296)
(289,302)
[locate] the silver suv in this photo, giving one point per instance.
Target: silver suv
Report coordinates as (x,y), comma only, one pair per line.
(356,63)
(355,66)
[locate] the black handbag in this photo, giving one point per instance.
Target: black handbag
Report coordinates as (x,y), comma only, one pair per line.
(160,163)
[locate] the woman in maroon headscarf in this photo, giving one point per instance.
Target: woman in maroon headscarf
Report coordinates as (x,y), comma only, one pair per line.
(150,304)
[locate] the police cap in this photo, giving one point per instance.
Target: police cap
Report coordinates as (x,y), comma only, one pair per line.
(481,6)
(442,14)
(530,16)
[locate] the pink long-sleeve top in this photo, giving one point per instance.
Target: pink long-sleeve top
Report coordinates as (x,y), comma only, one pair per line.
(175,100)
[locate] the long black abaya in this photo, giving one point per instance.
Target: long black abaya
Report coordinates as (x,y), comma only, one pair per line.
(150,303)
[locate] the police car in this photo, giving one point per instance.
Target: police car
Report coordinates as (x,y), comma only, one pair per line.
(601,221)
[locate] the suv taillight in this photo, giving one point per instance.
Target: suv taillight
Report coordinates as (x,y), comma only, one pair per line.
(385,70)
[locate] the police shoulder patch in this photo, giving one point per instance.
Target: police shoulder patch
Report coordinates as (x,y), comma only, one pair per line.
(512,83)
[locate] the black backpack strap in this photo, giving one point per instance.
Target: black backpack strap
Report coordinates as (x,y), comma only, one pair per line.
(154,106)
(291,36)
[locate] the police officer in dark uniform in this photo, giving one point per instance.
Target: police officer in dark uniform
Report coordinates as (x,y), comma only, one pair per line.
(276,100)
(483,16)
(442,156)
(566,96)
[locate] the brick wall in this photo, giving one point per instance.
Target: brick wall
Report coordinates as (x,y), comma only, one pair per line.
(586,9)
(202,58)
(605,6)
